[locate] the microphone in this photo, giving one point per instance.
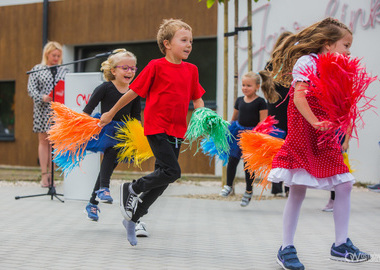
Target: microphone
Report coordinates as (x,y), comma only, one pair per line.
(53,70)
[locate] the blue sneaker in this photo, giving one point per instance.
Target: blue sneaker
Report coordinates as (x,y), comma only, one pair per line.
(375,188)
(92,211)
(104,195)
(288,259)
(347,252)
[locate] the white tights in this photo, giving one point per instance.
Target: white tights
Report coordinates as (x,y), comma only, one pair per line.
(292,210)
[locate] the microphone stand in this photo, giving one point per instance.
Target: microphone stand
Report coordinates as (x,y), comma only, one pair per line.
(54,69)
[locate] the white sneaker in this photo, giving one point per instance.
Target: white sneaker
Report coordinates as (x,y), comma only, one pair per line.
(246,199)
(329,206)
(227,190)
(140,229)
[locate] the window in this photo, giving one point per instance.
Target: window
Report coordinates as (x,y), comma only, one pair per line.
(7,114)
(203,56)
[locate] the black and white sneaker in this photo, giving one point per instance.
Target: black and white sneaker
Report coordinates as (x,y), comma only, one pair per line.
(128,201)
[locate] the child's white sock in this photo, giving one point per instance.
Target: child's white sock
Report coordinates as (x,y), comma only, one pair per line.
(131,234)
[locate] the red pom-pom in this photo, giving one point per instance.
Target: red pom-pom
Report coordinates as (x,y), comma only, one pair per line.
(339,83)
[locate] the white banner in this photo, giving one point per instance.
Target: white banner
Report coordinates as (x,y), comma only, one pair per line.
(271,18)
(78,184)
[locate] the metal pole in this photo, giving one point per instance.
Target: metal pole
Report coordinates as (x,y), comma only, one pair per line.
(225,89)
(45,22)
(249,22)
(236,68)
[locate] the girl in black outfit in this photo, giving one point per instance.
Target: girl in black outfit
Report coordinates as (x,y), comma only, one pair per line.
(249,110)
(119,70)
(277,107)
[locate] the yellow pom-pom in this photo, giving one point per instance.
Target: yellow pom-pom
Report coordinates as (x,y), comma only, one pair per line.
(133,143)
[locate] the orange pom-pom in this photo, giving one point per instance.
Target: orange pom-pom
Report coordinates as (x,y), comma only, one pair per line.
(258,151)
(70,130)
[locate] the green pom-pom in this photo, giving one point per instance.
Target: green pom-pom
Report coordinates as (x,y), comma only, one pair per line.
(205,123)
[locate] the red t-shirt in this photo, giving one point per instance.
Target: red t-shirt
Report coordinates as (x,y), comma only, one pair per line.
(168,89)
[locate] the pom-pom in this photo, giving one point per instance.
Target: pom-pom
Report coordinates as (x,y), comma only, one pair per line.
(68,160)
(347,162)
(71,131)
(209,149)
(339,83)
(258,152)
(267,127)
(208,124)
(133,144)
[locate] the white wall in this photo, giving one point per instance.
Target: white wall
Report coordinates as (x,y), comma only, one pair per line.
(271,18)
(21,2)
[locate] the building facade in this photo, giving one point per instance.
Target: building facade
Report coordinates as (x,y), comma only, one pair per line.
(86,28)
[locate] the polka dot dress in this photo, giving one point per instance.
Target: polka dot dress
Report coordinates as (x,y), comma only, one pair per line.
(41,83)
(302,148)
(303,159)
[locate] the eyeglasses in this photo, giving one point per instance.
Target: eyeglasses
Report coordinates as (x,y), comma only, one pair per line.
(126,68)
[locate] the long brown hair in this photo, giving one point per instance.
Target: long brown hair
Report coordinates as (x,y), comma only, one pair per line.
(310,40)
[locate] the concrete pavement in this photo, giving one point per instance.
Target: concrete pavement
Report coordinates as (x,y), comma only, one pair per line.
(189,226)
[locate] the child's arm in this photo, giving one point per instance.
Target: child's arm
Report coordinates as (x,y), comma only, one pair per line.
(303,107)
(124,100)
(263,115)
(345,143)
(347,138)
(235,115)
(198,103)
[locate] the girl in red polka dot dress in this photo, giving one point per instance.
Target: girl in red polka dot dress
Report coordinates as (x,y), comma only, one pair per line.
(303,161)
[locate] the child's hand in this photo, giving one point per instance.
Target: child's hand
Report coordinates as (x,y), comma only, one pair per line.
(345,146)
(105,119)
(322,125)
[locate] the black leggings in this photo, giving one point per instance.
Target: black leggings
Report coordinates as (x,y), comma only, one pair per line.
(107,167)
(231,172)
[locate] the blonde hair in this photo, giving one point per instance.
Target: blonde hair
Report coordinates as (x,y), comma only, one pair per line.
(264,79)
(48,48)
(310,40)
(112,62)
(167,30)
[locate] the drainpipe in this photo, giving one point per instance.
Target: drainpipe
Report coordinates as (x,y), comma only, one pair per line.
(45,22)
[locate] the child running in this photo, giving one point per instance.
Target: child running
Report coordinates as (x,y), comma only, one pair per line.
(118,71)
(168,84)
(302,162)
(249,110)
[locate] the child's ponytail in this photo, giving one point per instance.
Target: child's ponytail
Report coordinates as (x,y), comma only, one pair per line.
(268,87)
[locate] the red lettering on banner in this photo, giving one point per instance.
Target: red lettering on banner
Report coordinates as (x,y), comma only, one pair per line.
(357,16)
(263,45)
(82,97)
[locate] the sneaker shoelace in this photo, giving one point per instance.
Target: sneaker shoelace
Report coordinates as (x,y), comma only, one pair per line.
(94,210)
(132,203)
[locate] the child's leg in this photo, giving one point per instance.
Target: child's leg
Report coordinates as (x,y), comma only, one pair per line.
(107,167)
(96,188)
(166,151)
(291,213)
(342,205)
(276,188)
(231,170)
(248,181)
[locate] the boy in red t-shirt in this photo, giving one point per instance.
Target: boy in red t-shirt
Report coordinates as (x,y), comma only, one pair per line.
(168,84)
